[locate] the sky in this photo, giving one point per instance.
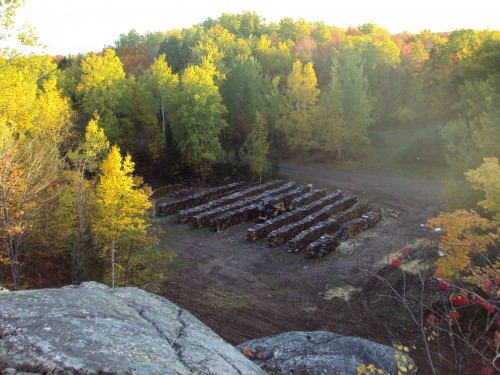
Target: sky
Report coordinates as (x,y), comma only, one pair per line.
(76,26)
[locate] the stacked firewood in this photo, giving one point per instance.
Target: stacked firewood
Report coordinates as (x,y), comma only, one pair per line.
(322,246)
(331,225)
(283,234)
(204,218)
(166,190)
(308,198)
(168,208)
(356,226)
(251,212)
(186,215)
(263,229)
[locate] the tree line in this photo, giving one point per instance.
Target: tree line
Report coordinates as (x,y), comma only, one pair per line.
(231,95)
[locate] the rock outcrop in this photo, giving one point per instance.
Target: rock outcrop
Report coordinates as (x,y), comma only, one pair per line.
(320,353)
(90,329)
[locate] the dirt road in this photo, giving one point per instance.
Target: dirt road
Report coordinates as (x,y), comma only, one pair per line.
(247,290)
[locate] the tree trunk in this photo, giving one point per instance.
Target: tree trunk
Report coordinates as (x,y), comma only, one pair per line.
(14,267)
(163,121)
(78,249)
(113,263)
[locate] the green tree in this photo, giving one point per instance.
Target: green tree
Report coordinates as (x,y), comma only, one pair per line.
(243,93)
(476,132)
(257,147)
(199,120)
(356,103)
(104,88)
(332,130)
(163,85)
(298,108)
(121,203)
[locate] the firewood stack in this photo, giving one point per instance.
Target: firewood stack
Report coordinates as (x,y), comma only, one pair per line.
(263,229)
(251,212)
(166,190)
(322,246)
(186,215)
(168,208)
(204,218)
(315,222)
(331,225)
(308,198)
(283,234)
(356,226)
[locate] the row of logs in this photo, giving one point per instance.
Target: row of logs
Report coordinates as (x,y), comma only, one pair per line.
(166,190)
(356,226)
(168,208)
(328,243)
(186,215)
(283,234)
(308,198)
(204,218)
(331,225)
(322,246)
(251,212)
(263,229)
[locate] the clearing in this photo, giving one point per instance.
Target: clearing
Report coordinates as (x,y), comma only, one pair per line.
(245,290)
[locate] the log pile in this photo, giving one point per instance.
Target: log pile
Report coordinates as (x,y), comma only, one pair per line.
(251,212)
(308,198)
(283,234)
(204,218)
(322,246)
(168,208)
(166,190)
(356,226)
(331,225)
(186,215)
(263,229)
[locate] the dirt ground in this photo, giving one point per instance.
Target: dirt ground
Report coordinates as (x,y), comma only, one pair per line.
(246,290)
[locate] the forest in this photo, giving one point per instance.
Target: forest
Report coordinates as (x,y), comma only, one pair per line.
(84,137)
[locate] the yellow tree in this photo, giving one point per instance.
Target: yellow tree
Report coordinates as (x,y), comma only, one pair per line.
(103,87)
(298,107)
(466,233)
(34,121)
(487,179)
(86,158)
(121,203)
